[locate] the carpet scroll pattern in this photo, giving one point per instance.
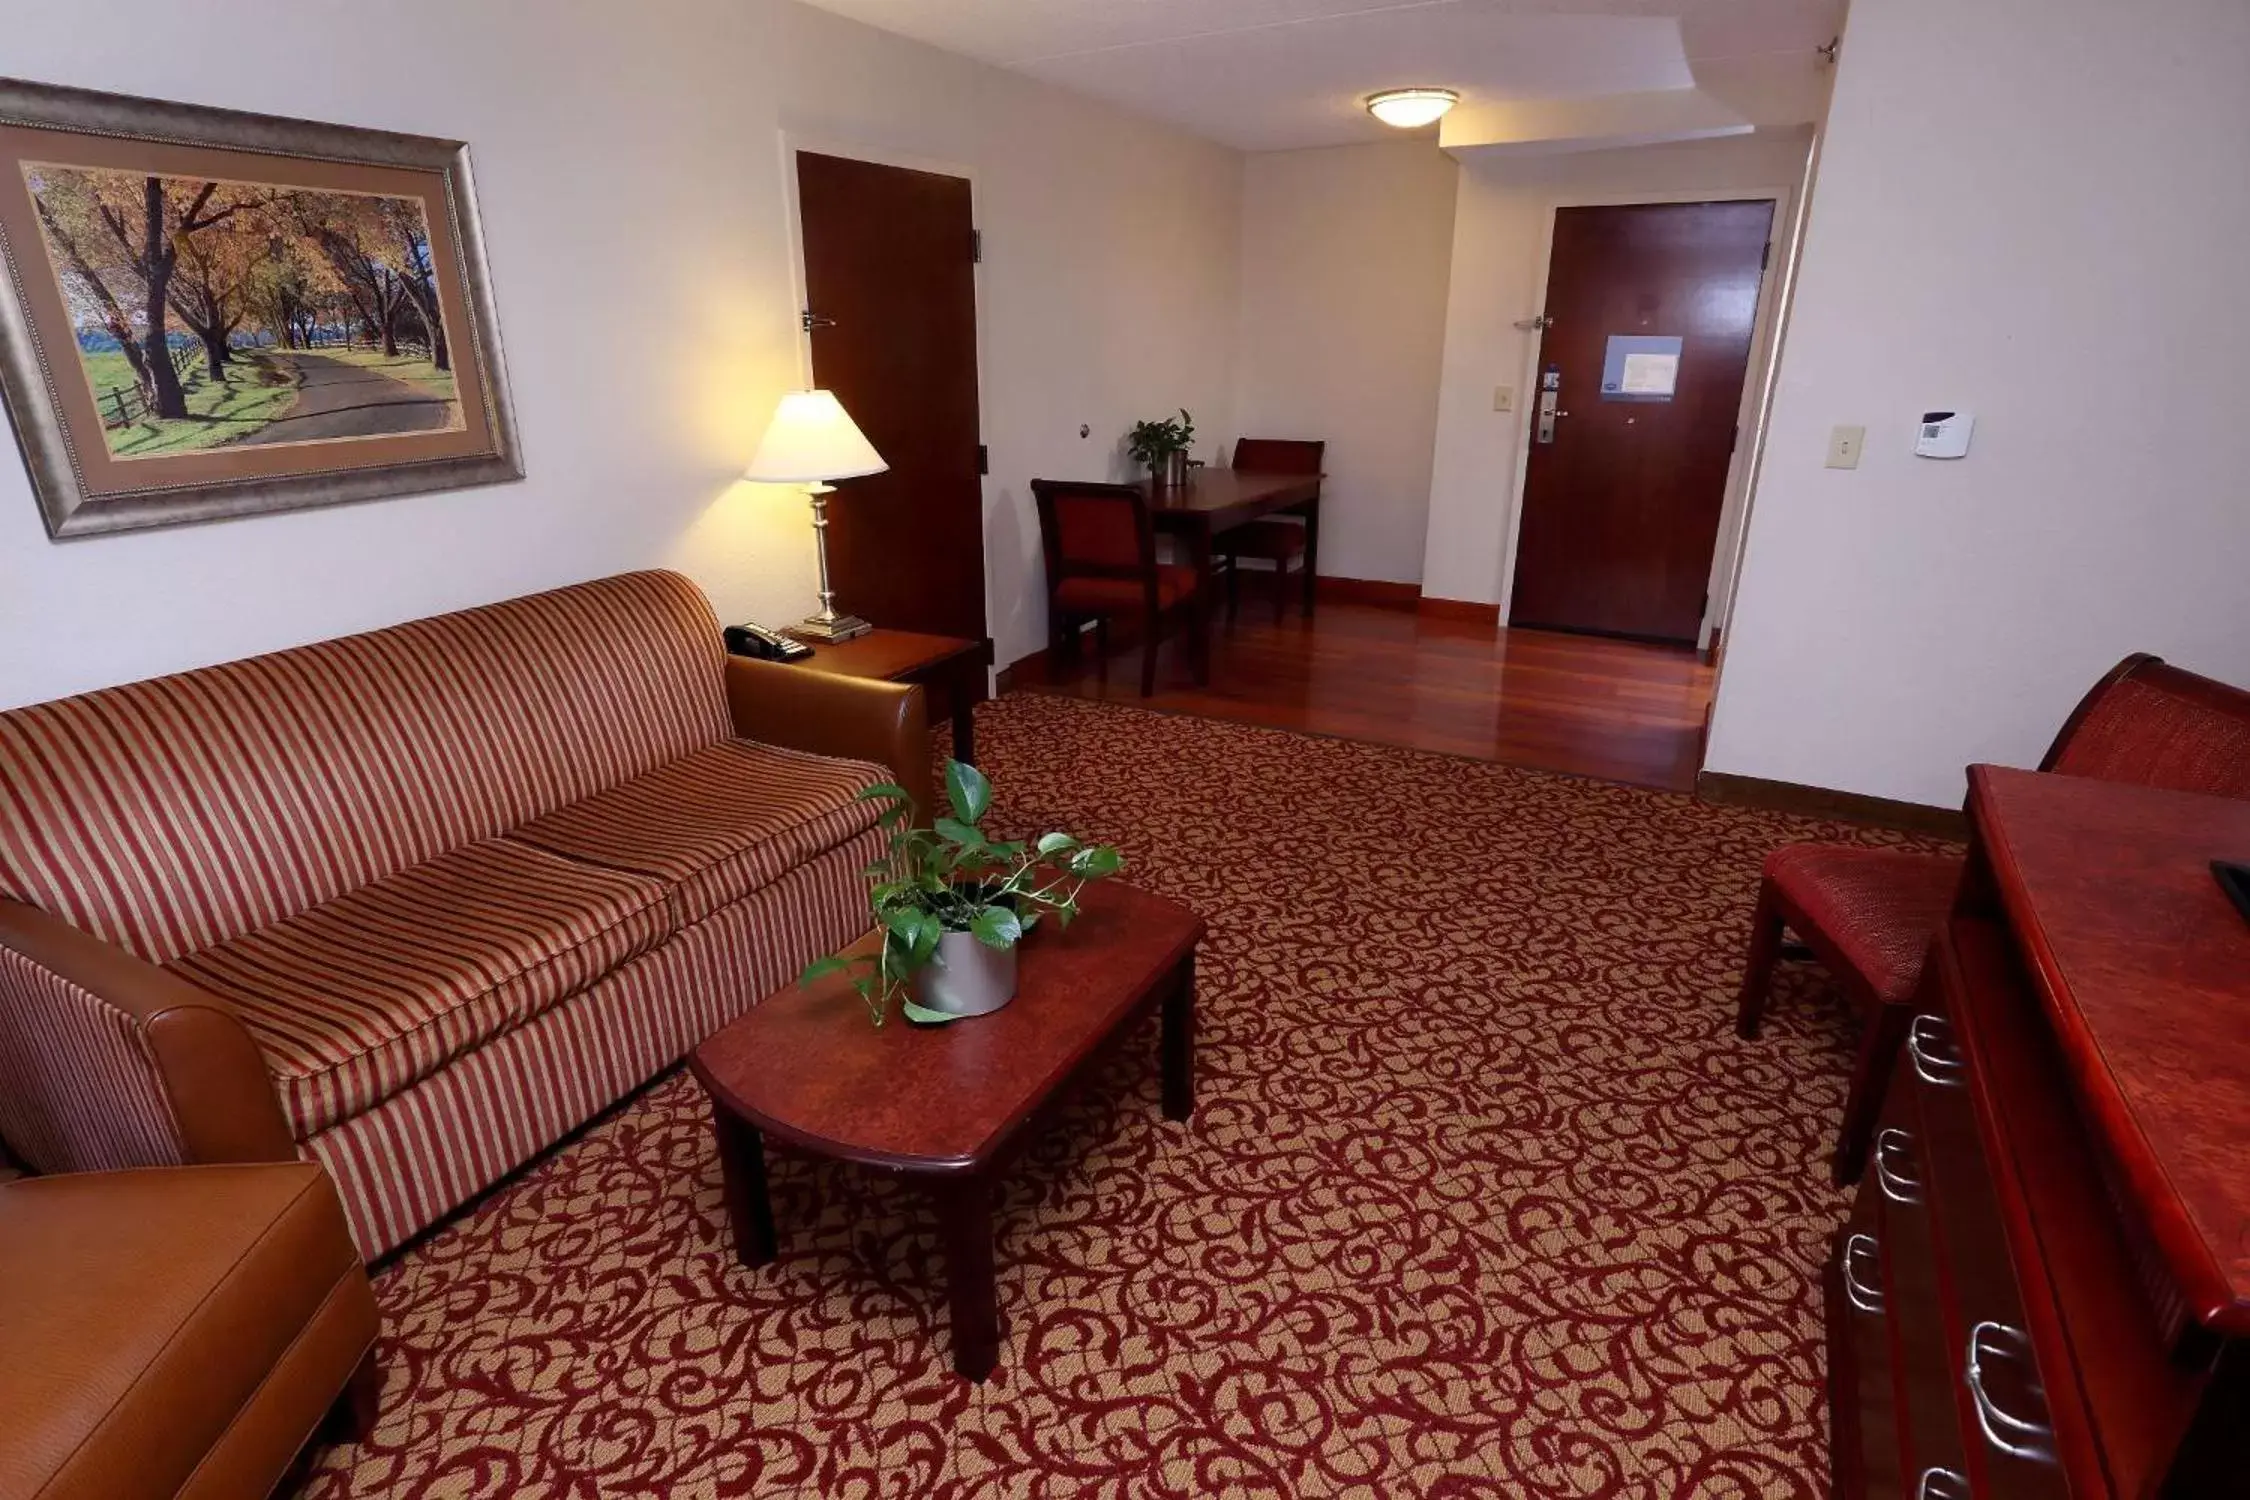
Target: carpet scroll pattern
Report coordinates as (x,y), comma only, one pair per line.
(1482,1195)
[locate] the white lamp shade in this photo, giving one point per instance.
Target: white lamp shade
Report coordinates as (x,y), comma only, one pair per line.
(811,440)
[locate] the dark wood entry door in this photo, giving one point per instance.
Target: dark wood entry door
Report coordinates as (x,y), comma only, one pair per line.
(1621,504)
(890,284)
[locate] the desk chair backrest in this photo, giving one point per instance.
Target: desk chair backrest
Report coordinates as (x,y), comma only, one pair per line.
(1091,530)
(1278,455)
(2152,724)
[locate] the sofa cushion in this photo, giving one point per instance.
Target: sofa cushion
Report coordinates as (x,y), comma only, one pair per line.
(364,995)
(716,824)
(171,815)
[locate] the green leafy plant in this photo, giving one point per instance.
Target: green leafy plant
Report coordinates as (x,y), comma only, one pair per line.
(949,877)
(1151,442)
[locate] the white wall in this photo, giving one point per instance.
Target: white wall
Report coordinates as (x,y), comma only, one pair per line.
(631,432)
(628,166)
(2041,220)
(1344,267)
(1107,292)
(1500,242)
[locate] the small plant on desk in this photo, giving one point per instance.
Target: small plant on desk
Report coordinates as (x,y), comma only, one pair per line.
(948,898)
(1154,443)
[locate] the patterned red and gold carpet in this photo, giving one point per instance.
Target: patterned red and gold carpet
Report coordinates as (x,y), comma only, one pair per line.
(1482,1195)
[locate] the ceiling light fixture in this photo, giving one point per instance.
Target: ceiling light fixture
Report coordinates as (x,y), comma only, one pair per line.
(1410,109)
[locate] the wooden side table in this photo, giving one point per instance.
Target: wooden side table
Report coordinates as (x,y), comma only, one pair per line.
(951,670)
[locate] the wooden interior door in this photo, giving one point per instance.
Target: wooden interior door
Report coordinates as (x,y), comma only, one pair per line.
(1621,505)
(890,289)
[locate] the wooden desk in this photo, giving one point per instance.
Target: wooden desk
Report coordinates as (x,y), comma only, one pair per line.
(1216,500)
(2044,1287)
(948,669)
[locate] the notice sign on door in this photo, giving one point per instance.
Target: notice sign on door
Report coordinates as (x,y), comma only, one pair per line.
(1638,367)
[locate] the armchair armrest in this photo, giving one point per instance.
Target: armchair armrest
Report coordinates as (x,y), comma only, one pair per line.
(856,718)
(107,1061)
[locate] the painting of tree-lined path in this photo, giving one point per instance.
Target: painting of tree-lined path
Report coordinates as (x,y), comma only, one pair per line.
(210,313)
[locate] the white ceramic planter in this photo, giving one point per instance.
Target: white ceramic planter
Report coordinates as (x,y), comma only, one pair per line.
(966,977)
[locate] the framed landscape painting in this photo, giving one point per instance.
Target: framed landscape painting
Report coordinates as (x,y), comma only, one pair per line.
(209,314)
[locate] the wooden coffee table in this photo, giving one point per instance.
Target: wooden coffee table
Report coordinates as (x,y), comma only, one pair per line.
(949,1106)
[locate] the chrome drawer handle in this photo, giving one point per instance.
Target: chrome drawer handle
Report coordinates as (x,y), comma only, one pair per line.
(1942,1484)
(1929,1041)
(2020,1436)
(1899,1184)
(1862,1296)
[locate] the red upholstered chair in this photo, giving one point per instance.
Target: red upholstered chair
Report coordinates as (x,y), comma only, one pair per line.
(1275,541)
(1101,564)
(1868,914)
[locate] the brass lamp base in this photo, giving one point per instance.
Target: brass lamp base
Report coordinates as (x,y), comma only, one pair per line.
(831,628)
(827,625)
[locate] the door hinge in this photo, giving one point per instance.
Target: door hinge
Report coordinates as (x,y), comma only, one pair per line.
(976,246)
(1735,441)
(1765,255)
(811,320)
(984,459)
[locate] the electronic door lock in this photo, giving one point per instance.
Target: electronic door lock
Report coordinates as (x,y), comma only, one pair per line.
(1549,410)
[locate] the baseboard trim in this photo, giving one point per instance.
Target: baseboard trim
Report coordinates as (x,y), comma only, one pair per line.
(1729,790)
(1024,671)
(1375,591)
(1459,609)
(1382,594)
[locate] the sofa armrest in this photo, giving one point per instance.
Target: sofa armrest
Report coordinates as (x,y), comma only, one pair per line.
(107,1061)
(855,718)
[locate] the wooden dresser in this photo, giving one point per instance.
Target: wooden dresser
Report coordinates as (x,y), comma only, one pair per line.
(2044,1286)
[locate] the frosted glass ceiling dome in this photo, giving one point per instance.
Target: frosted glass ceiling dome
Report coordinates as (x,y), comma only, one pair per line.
(1410,109)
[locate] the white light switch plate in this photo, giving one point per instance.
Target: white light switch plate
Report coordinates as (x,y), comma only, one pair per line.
(1503,398)
(1844,444)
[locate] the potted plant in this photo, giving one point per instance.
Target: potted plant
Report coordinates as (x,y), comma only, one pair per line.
(1163,445)
(952,904)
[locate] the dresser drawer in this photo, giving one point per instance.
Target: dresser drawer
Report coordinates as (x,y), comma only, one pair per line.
(1863,1429)
(2082,1330)
(2002,1413)
(1896,1184)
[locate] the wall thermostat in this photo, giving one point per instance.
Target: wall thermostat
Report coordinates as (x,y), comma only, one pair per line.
(1944,434)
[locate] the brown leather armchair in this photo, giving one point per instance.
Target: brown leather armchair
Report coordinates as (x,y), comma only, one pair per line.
(176,1332)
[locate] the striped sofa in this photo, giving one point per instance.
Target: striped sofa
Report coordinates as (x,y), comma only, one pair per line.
(416,903)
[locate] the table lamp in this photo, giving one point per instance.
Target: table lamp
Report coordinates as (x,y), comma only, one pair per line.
(811,441)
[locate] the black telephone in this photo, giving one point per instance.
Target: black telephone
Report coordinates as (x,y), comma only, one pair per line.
(766,645)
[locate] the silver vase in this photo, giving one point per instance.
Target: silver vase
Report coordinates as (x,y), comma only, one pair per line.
(966,977)
(1171,471)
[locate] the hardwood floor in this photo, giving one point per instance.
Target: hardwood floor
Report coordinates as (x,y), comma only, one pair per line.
(1619,710)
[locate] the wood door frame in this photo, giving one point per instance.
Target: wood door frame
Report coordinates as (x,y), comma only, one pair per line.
(1750,416)
(790,142)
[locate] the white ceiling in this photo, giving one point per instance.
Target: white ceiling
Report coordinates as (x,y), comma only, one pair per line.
(1266,75)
